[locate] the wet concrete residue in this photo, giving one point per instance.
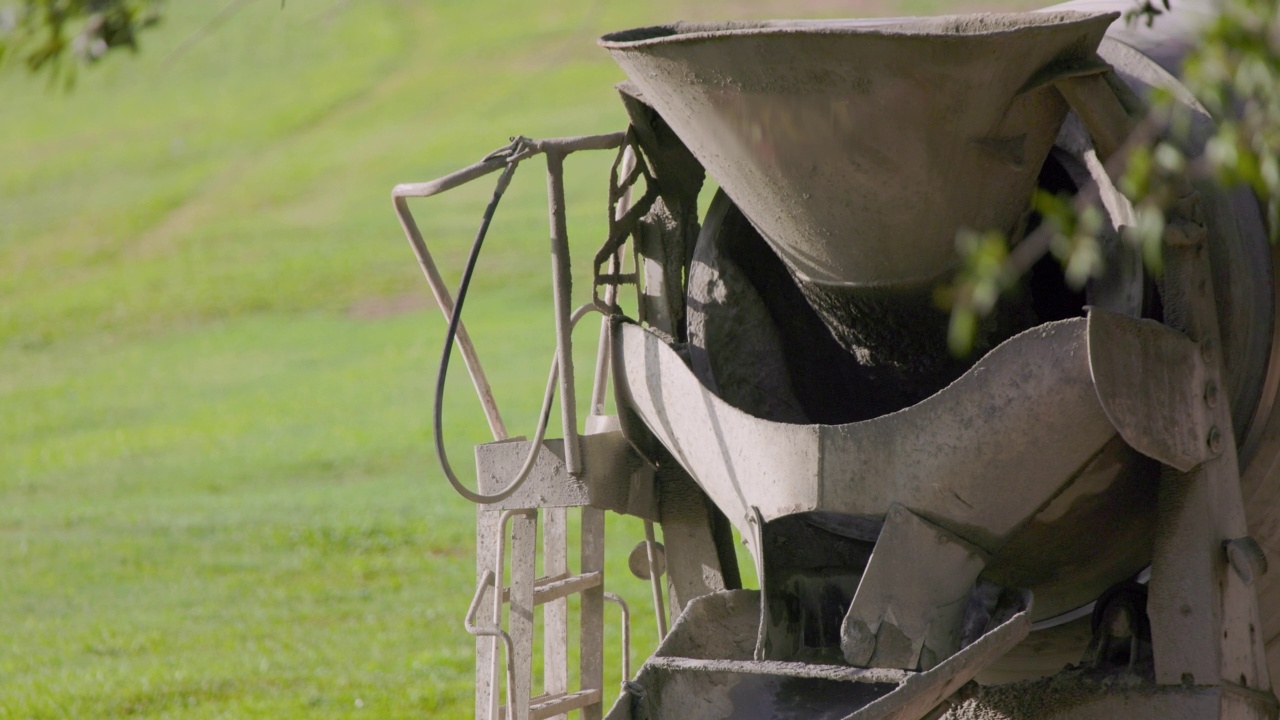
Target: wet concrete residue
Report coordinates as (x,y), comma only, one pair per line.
(1045,698)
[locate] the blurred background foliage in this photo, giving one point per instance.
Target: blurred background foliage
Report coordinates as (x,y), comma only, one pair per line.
(57,35)
(217,497)
(1234,72)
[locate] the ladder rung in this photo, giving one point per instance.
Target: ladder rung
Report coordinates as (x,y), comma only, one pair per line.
(557,589)
(554,587)
(547,706)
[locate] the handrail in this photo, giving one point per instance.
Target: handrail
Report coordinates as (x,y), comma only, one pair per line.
(626,635)
(469,622)
(507,157)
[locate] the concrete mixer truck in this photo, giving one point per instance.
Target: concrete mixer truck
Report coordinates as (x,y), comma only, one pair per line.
(1072,521)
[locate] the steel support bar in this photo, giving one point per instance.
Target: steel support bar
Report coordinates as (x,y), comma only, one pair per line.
(1204,617)
(655,578)
(445,301)
(496,161)
(1098,107)
(562,281)
(598,386)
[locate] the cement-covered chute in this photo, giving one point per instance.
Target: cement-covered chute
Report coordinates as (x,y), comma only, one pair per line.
(1072,493)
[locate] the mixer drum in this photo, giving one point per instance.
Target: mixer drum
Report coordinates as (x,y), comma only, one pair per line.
(850,153)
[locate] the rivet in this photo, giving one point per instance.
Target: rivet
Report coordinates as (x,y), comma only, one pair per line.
(1215,440)
(1211,393)
(1206,350)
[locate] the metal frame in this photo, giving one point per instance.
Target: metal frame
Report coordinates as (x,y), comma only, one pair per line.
(556,149)
(526,591)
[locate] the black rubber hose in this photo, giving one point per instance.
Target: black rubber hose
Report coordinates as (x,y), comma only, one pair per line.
(451,334)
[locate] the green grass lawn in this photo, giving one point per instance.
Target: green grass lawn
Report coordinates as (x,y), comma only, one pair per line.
(217,493)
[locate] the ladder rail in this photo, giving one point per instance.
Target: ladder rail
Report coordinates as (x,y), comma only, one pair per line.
(496,632)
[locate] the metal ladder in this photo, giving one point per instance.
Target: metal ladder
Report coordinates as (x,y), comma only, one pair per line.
(528,591)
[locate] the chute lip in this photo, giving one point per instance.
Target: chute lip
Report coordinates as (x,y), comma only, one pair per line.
(974,26)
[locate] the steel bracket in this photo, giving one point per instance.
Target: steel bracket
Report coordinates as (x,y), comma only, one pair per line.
(614,477)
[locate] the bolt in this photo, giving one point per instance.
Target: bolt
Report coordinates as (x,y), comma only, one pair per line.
(1215,440)
(1211,393)
(1246,558)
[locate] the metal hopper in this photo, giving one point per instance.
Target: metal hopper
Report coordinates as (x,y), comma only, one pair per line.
(858,147)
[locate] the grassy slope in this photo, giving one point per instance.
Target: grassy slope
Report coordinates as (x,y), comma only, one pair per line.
(216,497)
